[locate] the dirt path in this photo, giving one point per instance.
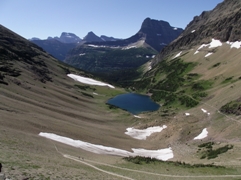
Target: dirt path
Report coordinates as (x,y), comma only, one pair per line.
(94,167)
(85,161)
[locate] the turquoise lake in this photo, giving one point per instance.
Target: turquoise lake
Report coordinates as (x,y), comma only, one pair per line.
(134,103)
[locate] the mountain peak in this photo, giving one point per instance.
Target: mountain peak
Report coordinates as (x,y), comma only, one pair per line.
(148,22)
(67,37)
(92,37)
(158,33)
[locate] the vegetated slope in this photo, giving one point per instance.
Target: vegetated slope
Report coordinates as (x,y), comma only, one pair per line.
(197,77)
(116,65)
(175,69)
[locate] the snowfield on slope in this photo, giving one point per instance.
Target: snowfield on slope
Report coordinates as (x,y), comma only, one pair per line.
(141,134)
(179,54)
(213,44)
(89,81)
(203,134)
(236,44)
(161,154)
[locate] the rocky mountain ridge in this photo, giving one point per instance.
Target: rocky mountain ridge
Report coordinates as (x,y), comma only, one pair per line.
(67,37)
(154,33)
(222,23)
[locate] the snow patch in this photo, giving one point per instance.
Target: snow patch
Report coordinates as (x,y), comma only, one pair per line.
(128,47)
(141,134)
(177,55)
(208,54)
(215,43)
(175,28)
(89,81)
(205,111)
(202,46)
(187,114)
(196,52)
(193,31)
(161,154)
(137,116)
(236,44)
(203,134)
(82,54)
(230,43)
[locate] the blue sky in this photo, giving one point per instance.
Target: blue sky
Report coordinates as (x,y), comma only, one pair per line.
(117,18)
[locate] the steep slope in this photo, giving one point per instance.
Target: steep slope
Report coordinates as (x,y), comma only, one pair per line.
(197,78)
(222,23)
(37,96)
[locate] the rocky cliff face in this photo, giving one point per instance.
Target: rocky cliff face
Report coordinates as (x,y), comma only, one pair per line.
(222,23)
(158,34)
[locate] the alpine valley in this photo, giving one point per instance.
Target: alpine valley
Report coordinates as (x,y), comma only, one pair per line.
(55,123)
(105,56)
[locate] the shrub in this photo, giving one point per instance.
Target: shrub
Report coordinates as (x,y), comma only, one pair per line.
(233,107)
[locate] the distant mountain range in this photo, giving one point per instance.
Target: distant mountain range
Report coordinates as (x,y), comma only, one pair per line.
(67,37)
(153,33)
(113,55)
(60,46)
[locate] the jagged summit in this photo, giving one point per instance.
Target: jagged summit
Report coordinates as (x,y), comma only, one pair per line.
(158,33)
(68,38)
(92,37)
(65,37)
